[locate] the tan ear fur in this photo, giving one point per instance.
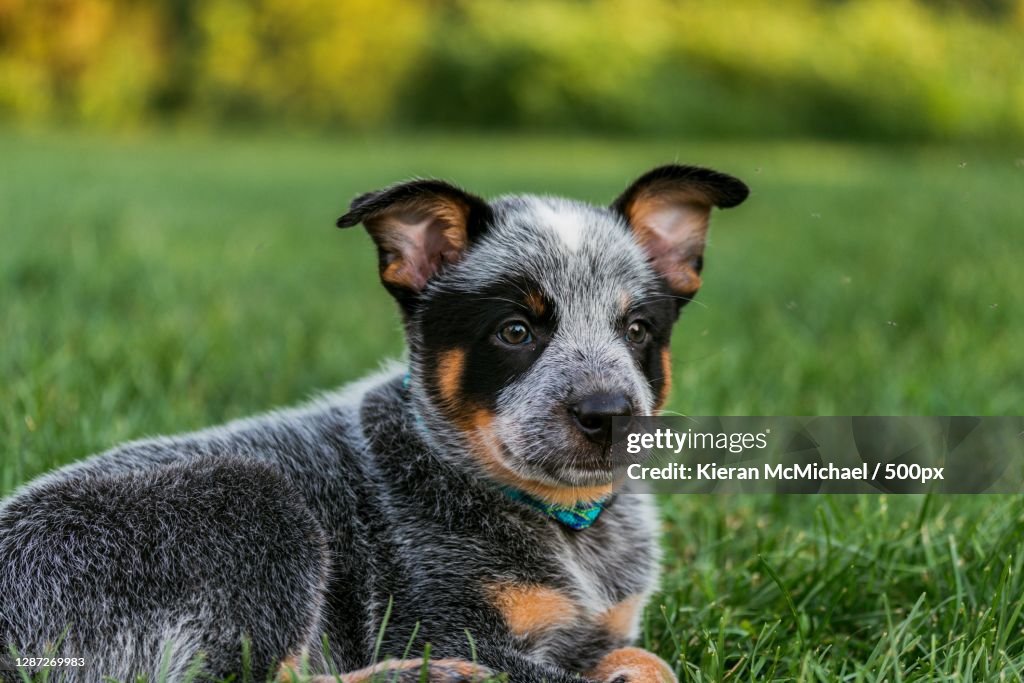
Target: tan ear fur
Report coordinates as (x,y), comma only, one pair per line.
(419,227)
(669,209)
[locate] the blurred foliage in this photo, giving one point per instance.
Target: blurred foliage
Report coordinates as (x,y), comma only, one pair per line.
(943,69)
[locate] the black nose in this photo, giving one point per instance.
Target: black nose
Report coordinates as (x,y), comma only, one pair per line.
(593,416)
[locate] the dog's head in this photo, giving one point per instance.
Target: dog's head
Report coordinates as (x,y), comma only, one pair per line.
(533,321)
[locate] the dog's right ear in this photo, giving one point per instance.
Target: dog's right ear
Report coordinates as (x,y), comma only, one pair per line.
(668,209)
(419,227)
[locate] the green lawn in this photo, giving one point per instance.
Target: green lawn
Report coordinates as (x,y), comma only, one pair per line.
(163,283)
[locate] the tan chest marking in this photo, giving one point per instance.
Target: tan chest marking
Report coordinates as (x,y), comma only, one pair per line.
(530,609)
(621,619)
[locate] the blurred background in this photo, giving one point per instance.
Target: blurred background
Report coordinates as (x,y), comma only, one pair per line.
(864,69)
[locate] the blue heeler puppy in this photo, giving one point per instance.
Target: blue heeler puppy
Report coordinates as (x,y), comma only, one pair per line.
(471,490)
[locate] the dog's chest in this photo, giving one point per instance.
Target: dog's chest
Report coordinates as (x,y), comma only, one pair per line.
(600,577)
(596,603)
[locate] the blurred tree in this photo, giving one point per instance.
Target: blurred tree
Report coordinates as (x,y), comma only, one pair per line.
(948,69)
(319,60)
(84,59)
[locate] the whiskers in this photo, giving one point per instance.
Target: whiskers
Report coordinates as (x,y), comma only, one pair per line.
(661,296)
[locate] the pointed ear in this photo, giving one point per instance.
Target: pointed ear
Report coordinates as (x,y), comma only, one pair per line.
(668,209)
(419,227)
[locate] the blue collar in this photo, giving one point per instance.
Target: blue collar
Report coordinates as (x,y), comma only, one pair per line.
(576,517)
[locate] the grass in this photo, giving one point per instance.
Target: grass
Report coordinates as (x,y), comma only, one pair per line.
(166,282)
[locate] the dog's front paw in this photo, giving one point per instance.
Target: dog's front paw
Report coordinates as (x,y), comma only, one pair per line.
(414,671)
(446,671)
(632,665)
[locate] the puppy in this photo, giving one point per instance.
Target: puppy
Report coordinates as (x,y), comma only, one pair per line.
(460,505)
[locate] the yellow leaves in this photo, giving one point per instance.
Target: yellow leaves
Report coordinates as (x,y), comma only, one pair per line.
(312,59)
(94,59)
(887,67)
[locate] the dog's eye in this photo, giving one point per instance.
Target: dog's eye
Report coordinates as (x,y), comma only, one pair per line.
(515,333)
(636,333)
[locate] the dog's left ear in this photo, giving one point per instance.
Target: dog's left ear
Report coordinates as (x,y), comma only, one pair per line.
(419,227)
(668,209)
